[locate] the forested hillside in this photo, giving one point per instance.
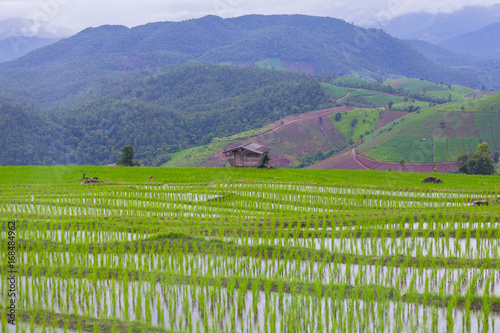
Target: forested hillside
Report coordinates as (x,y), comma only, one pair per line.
(158,114)
(327,45)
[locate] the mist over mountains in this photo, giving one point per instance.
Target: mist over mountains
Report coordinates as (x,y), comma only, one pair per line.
(436,28)
(20,36)
(483,43)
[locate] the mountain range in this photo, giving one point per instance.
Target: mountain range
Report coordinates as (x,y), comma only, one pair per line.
(483,42)
(168,86)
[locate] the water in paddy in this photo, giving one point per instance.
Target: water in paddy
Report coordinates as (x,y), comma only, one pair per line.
(205,308)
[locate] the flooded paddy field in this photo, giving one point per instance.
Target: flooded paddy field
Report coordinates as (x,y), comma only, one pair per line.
(252,256)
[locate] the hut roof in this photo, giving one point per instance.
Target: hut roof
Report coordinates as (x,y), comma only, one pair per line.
(253,147)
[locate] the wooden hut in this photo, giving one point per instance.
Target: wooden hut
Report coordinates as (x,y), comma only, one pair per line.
(251,155)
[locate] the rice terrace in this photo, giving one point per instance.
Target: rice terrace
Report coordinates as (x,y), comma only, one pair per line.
(248,250)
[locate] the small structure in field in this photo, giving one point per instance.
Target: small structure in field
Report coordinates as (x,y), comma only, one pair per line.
(91,180)
(431,179)
(251,155)
(480,203)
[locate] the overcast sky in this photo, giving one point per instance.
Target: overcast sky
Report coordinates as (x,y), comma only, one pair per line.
(79,14)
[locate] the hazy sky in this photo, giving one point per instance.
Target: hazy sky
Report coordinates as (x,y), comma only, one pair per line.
(79,14)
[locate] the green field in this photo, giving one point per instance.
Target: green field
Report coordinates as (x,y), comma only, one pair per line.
(416,85)
(349,81)
(456,93)
(197,155)
(452,131)
(404,106)
(336,92)
(488,125)
(183,153)
(410,148)
(248,250)
(486,103)
(370,99)
(366,122)
(271,63)
(464,91)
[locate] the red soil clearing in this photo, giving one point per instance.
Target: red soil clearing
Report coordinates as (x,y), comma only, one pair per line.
(340,161)
(349,160)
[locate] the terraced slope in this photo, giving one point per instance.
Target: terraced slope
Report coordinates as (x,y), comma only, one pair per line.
(438,134)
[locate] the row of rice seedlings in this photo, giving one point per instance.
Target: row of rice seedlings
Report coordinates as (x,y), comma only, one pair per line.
(232,306)
(129,200)
(292,269)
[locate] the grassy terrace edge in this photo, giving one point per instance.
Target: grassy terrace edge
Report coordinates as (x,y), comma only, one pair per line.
(197,245)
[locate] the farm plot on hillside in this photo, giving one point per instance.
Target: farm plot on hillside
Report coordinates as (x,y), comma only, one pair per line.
(356,124)
(448,149)
(488,125)
(370,99)
(247,256)
(410,148)
(336,92)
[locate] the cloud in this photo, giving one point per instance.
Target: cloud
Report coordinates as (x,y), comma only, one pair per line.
(78,15)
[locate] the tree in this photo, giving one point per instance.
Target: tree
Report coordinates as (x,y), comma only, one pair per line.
(495,157)
(402,163)
(127,157)
(483,149)
(319,156)
(354,122)
(389,105)
(338,116)
(477,163)
(266,161)
(481,166)
(320,119)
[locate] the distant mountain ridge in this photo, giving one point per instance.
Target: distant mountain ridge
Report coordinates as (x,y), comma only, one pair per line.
(21,27)
(16,46)
(19,36)
(436,28)
(483,42)
(329,44)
